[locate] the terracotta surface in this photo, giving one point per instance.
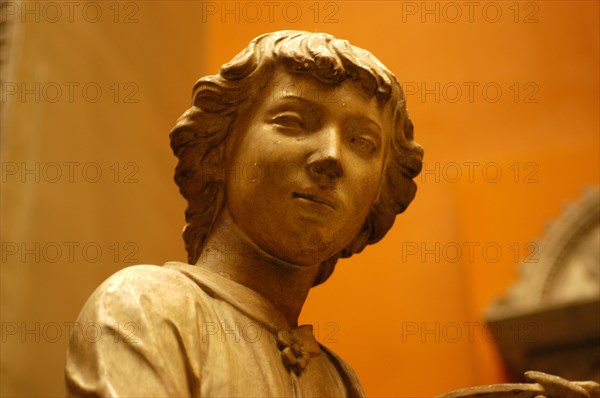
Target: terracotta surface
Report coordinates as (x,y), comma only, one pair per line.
(259,240)
(552,143)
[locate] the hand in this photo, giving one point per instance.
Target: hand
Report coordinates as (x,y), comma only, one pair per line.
(557,387)
(543,386)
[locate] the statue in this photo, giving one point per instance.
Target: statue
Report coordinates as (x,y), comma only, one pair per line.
(298,153)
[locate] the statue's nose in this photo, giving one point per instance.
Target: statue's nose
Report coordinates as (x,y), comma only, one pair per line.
(328,168)
(326,162)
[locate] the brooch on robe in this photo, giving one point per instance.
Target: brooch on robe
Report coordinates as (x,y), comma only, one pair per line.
(297,346)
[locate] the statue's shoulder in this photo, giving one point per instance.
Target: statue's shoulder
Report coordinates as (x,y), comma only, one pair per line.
(138,325)
(145,276)
(142,289)
(146,280)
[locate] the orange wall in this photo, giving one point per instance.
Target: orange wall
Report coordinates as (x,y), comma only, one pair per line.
(393,314)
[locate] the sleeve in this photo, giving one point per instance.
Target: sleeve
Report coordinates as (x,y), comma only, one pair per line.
(137,335)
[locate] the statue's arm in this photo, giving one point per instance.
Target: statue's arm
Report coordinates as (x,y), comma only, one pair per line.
(133,337)
(543,386)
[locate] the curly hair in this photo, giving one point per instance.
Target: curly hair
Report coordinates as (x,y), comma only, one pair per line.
(197,138)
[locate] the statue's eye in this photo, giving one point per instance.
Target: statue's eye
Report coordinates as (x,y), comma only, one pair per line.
(363,144)
(288,120)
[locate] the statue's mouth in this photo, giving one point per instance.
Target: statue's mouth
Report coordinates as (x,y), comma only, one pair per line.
(314,198)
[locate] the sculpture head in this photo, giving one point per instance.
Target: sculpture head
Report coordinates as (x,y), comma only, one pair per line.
(222,104)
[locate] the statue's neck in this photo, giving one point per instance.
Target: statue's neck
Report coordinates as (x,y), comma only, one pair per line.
(229,252)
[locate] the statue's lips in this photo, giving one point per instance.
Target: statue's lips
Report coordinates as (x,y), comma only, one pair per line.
(316,199)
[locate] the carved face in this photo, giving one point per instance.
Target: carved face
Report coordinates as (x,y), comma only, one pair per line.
(304,165)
